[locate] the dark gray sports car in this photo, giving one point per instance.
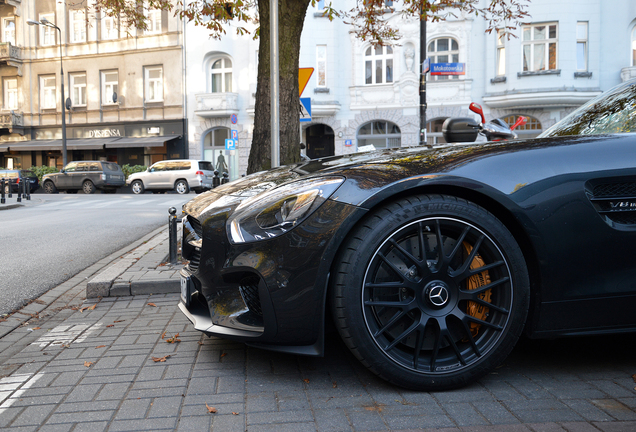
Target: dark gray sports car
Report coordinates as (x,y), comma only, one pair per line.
(431,262)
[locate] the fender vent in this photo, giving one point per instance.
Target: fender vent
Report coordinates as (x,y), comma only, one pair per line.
(615,202)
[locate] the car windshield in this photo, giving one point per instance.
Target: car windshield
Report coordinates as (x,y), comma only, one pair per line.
(612,112)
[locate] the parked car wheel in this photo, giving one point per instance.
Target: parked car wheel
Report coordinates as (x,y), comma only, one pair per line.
(88,187)
(49,187)
(137,187)
(181,187)
(431,292)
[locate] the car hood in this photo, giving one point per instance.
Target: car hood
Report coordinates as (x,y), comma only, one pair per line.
(371,170)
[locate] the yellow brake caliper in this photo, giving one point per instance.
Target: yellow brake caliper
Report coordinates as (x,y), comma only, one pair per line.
(476,281)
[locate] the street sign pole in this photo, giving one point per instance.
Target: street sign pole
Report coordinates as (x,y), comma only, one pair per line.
(274,78)
(422,77)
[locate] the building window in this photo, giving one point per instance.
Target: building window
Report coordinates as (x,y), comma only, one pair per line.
(8,30)
(78,89)
(634,47)
(154,21)
(380,134)
(47,34)
(321,65)
(153,77)
(110,82)
(378,65)
(221,76)
(110,27)
(434,131)
(10,94)
(501,53)
(443,50)
(581,46)
(47,92)
(77,21)
(539,47)
(529,130)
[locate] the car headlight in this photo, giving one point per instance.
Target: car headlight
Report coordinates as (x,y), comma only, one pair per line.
(277,211)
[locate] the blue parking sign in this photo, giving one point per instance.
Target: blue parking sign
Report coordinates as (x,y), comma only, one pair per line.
(230,144)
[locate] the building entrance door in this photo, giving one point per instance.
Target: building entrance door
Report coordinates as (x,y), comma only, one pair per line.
(320,141)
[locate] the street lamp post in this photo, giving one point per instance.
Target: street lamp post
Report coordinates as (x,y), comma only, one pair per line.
(48,23)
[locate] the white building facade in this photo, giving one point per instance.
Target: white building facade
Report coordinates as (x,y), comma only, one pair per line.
(568,52)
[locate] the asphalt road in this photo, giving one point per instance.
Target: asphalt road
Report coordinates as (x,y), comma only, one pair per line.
(53,237)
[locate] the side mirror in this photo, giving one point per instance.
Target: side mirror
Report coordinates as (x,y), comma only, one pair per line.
(62,170)
(460,130)
(476,108)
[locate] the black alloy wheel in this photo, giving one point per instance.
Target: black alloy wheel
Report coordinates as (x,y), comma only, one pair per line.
(181,187)
(431,292)
(137,187)
(88,187)
(49,187)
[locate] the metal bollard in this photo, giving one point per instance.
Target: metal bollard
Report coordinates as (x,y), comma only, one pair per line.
(8,182)
(216,181)
(20,186)
(27,185)
(172,231)
(3,200)
(226,178)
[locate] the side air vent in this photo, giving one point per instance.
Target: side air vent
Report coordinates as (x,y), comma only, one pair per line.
(615,202)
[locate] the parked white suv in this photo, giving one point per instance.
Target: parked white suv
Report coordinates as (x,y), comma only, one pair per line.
(180,175)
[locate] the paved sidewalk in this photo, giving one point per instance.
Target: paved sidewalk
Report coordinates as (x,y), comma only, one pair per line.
(143,270)
(134,363)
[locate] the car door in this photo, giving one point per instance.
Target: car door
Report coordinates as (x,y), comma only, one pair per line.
(158,176)
(65,179)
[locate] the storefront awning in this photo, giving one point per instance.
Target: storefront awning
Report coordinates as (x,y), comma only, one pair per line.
(87,143)
(154,141)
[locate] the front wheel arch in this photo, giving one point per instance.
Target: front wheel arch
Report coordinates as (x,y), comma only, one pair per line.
(351,269)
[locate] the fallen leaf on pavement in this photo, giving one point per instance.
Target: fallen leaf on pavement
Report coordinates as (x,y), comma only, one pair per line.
(100,346)
(634,377)
(306,380)
(36,328)
(211,410)
(223,354)
(234,413)
(110,325)
(88,364)
(200,343)
(152,304)
(119,321)
(161,359)
(174,339)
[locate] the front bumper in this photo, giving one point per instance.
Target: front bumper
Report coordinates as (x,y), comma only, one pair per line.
(270,293)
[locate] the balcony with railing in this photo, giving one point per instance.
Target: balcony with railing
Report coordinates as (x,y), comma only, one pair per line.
(10,54)
(12,120)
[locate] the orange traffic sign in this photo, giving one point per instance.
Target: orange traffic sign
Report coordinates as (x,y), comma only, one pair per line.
(303,78)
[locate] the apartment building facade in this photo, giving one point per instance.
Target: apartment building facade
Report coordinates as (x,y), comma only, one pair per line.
(567,53)
(124,88)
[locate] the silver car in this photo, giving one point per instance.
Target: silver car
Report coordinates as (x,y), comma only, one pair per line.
(180,175)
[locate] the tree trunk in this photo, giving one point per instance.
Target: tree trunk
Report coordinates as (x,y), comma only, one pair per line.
(291,17)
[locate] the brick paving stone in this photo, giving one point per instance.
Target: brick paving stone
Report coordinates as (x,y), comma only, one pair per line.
(33,415)
(297,416)
(165,407)
(629,426)
(194,423)
(494,412)
(228,423)
(82,393)
(143,425)
(578,427)
(90,427)
(332,420)
(587,410)
(615,409)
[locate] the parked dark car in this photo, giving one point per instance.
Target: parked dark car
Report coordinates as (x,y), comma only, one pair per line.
(87,176)
(431,262)
(14,178)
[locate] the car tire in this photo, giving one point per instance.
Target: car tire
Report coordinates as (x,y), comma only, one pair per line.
(424,320)
(88,187)
(137,187)
(181,187)
(49,187)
